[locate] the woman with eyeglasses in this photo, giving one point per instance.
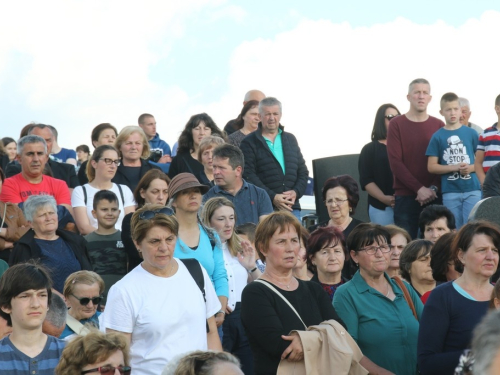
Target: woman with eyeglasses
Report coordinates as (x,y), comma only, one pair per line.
(152,189)
(83,292)
(101,169)
(374,171)
(96,353)
(341,197)
(373,306)
(161,306)
(195,239)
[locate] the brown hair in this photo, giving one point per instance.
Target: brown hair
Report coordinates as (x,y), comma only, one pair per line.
(92,348)
(394,229)
(140,227)
(212,141)
(276,221)
(145,181)
(99,151)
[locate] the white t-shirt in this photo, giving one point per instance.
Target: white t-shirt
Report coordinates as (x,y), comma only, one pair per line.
(166,316)
(237,277)
(78,200)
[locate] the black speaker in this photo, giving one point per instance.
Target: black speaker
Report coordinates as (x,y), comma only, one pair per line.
(333,166)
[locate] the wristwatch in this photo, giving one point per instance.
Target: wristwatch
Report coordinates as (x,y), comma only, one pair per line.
(434,188)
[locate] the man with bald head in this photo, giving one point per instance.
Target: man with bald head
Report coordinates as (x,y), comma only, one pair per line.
(250,95)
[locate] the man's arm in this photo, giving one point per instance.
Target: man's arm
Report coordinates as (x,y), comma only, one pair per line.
(478,166)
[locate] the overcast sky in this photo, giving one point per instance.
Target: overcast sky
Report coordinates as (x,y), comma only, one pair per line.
(75,64)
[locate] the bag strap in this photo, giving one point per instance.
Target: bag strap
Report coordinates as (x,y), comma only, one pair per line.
(84,195)
(76,326)
(121,194)
(282,297)
(406,295)
(194,268)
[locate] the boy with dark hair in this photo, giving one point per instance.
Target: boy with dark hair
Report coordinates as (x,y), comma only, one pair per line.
(105,246)
(25,291)
(434,221)
(451,154)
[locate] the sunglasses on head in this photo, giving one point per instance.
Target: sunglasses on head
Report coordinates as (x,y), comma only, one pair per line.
(110,370)
(151,214)
(390,117)
(85,300)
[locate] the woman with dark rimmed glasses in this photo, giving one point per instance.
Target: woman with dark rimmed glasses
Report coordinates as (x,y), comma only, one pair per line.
(83,292)
(158,306)
(96,353)
(375,174)
(373,306)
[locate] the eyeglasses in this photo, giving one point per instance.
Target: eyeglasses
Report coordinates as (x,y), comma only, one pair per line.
(336,202)
(371,250)
(109,370)
(146,215)
(111,161)
(85,301)
(390,117)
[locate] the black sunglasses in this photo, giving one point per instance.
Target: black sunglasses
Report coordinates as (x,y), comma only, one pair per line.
(390,117)
(146,215)
(110,370)
(85,300)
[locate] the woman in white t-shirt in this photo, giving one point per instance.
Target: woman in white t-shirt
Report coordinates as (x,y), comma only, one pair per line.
(239,259)
(158,305)
(101,168)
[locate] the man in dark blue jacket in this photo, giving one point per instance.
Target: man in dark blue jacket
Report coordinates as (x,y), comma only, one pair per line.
(273,160)
(160,150)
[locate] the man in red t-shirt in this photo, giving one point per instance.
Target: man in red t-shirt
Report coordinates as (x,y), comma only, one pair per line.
(407,140)
(33,156)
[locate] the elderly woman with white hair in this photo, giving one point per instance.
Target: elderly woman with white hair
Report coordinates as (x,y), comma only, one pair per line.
(61,251)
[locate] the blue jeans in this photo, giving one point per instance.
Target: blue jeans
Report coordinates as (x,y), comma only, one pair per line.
(296,213)
(461,204)
(407,212)
(382,217)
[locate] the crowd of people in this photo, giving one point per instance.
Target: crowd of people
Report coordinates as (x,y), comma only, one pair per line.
(141,258)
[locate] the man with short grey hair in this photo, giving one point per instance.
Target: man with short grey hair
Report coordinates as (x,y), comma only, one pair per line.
(273,160)
(32,156)
(466,113)
(407,140)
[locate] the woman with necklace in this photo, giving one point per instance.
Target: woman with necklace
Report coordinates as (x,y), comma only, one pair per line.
(326,254)
(373,305)
(101,169)
(195,240)
(159,306)
(266,317)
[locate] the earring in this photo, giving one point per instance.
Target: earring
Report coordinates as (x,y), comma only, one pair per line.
(350,209)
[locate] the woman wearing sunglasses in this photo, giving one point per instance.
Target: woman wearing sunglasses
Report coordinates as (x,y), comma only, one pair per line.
(374,171)
(373,306)
(158,306)
(96,353)
(152,189)
(83,292)
(101,169)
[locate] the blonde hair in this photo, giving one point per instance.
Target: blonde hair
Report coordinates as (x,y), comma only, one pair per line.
(206,143)
(92,348)
(234,242)
(125,133)
(82,277)
(203,363)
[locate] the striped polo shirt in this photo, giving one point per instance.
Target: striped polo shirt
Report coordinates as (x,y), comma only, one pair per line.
(489,143)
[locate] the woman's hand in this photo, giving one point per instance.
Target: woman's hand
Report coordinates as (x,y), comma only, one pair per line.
(219,319)
(228,310)
(247,256)
(295,351)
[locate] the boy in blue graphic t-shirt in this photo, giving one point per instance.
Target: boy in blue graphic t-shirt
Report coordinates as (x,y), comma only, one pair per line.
(451,154)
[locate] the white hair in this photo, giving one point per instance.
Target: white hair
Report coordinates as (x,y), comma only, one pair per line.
(462,102)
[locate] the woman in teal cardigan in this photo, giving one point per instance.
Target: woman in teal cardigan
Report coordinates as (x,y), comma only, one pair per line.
(373,306)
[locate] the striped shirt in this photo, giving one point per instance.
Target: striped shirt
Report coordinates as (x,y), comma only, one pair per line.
(489,143)
(15,362)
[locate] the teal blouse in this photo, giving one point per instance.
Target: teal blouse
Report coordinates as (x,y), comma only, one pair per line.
(386,331)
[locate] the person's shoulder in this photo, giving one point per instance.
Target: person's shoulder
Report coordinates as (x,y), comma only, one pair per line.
(435,121)
(55,343)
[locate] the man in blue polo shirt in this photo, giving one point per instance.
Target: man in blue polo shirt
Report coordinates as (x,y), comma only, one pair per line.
(252,203)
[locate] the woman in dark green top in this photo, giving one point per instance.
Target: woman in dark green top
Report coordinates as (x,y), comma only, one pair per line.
(373,306)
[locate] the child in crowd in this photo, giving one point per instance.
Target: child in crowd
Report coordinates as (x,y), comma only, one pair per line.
(25,291)
(451,154)
(105,246)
